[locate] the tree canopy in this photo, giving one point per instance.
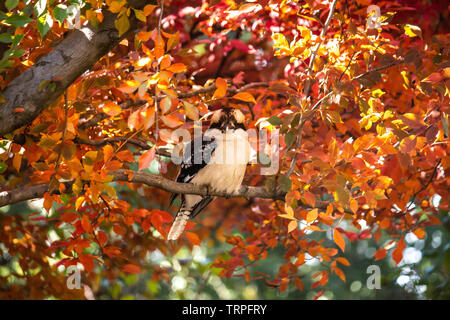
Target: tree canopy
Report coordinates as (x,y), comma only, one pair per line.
(353,95)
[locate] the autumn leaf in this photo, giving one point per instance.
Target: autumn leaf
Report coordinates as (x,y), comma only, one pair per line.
(339,240)
(221,88)
(131,268)
(244,96)
(112,109)
(193,238)
(86,224)
(312,215)
(397,254)
(146,158)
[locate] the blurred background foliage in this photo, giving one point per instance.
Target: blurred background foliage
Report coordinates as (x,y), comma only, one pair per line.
(422,274)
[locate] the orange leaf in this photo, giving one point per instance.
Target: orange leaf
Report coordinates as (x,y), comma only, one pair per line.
(171,121)
(131,268)
(221,88)
(420,233)
(148,9)
(244,96)
(343,260)
(177,68)
(298,283)
(380,254)
(354,205)
(118,229)
(125,155)
(86,224)
(309,198)
(17,161)
(193,238)
(339,273)
(397,254)
(112,109)
(102,237)
(146,158)
(339,240)
(108,151)
(312,215)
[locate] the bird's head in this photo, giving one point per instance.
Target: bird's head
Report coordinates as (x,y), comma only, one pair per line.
(228,119)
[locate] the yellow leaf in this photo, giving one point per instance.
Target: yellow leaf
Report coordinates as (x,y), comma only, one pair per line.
(140,15)
(339,240)
(354,205)
(191,111)
(292,226)
(173,41)
(312,215)
(244,96)
(122,24)
(221,88)
(165,104)
(79,202)
(412,31)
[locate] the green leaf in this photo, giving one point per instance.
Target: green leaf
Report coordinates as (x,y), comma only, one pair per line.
(11,4)
(17,39)
(289,139)
(122,24)
(44,24)
(285,183)
(275,121)
(17,20)
(60,13)
(6,38)
(3,167)
(14,53)
(41,7)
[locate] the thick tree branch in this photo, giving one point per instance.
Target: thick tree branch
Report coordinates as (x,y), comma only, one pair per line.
(66,62)
(151,180)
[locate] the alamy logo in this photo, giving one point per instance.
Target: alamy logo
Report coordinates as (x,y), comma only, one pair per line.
(373,17)
(74,278)
(374,280)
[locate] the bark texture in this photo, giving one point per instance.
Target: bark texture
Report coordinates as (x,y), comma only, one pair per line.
(65,63)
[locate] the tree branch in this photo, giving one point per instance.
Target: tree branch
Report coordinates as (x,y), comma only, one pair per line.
(67,61)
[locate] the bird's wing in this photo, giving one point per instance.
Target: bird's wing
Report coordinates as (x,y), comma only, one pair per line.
(196,155)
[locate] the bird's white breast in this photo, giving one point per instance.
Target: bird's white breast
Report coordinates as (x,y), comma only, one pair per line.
(226,169)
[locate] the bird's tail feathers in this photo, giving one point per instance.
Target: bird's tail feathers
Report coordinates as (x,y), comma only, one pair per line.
(178,225)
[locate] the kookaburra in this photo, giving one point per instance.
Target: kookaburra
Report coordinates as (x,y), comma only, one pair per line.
(217,160)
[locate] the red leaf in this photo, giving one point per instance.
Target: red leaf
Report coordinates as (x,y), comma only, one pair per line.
(131,268)
(69,216)
(380,254)
(88,262)
(146,158)
(193,238)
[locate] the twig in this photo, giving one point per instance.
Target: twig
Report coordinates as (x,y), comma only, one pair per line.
(66,111)
(307,89)
(425,186)
(394,63)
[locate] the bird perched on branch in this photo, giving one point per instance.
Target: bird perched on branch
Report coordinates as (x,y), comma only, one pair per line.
(217,160)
